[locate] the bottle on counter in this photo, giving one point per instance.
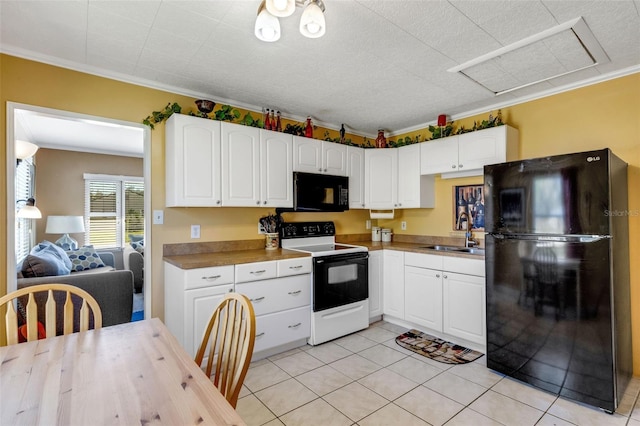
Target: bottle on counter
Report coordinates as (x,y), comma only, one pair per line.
(278,123)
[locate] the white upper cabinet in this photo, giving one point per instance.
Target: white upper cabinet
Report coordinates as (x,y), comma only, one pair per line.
(355,171)
(381,178)
(256,167)
(240,165)
(276,169)
(414,190)
(314,156)
(192,162)
(467,154)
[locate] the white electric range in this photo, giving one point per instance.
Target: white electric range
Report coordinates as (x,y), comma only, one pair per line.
(340,279)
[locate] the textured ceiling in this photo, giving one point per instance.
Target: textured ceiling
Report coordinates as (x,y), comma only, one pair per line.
(382,63)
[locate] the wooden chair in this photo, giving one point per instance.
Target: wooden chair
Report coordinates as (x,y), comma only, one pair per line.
(30,312)
(232,332)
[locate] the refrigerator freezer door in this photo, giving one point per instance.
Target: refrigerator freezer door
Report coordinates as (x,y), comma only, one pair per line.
(564,194)
(549,316)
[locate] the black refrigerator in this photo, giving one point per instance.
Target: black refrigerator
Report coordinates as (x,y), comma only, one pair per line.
(557,268)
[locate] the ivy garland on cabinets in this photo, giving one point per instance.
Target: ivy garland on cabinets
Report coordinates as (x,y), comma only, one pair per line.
(228,113)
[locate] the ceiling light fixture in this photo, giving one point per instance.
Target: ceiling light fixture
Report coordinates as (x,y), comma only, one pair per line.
(25,149)
(312,22)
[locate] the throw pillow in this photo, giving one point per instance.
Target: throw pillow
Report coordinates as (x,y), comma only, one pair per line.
(43,264)
(135,238)
(85,258)
(138,246)
(48,246)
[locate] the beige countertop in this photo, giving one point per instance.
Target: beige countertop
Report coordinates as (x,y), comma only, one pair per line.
(203,255)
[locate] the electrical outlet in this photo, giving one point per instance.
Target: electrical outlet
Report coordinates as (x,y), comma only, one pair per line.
(261,229)
(367,224)
(195,231)
(403,225)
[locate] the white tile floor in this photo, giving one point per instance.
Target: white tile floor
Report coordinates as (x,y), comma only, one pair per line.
(367,379)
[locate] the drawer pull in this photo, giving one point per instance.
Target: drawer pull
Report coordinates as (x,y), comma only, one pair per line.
(212,277)
(293,293)
(259,334)
(261,271)
(295,267)
(295,325)
(437,275)
(258,299)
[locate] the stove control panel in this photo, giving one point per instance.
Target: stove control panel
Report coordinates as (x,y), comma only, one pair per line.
(307,229)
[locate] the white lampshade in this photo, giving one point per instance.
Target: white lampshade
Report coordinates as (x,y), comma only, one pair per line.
(29,210)
(267,26)
(25,149)
(281,8)
(64,224)
(312,22)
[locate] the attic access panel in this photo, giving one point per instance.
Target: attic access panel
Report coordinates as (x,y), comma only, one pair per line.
(558,51)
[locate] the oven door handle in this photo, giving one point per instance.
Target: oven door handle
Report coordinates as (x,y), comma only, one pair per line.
(341,257)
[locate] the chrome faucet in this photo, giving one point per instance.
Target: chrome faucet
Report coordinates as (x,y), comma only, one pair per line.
(468,241)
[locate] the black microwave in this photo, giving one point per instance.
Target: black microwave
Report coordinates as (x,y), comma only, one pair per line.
(320,193)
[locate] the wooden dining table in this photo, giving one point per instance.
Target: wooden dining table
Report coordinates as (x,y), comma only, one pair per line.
(134,373)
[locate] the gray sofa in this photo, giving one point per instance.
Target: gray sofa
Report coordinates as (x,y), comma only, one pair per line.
(134,261)
(112,289)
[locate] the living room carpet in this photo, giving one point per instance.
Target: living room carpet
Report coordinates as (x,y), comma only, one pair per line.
(436,349)
(138,307)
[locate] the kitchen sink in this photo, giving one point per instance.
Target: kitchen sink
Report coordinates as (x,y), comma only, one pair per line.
(470,250)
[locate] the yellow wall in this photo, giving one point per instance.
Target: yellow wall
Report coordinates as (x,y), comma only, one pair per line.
(598,116)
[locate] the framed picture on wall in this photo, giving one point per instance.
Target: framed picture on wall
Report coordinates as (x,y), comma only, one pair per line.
(468,205)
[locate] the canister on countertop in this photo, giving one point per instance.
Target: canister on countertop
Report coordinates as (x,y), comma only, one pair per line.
(386,235)
(375,233)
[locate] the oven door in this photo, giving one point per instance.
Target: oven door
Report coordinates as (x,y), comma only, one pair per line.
(339,280)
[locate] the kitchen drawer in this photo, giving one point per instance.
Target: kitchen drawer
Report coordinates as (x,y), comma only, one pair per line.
(281,328)
(464,265)
(419,260)
(255,271)
(207,277)
(299,265)
(278,294)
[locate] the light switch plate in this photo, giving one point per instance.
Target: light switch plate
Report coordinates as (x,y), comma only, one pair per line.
(158,217)
(195,231)
(403,225)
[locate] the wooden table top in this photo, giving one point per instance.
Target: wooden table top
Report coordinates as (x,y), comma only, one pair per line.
(134,373)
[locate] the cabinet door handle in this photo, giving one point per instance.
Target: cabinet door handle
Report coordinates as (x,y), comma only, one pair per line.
(261,271)
(295,325)
(437,275)
(293,293)
(295,267)
(319,170)
(325,170)
(258,299)
(453,166)
(264,202)
(259,334)
(212,277)
(218,202)
(258,202)
(445,277)
(460,166)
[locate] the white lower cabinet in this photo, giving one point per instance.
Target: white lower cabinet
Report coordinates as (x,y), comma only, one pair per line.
(464,306)
(191,296)
(280,292)
(423,297)
(393,283)
(375,285)
(446,295)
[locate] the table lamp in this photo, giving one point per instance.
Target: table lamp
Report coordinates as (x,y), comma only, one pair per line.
(65,225)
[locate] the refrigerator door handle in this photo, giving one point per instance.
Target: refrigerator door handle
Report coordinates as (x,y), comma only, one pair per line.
(552,238)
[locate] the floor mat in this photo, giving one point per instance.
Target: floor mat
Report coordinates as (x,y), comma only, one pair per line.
(435,348)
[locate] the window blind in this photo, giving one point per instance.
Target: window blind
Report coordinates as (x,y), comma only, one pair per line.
(24,177)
